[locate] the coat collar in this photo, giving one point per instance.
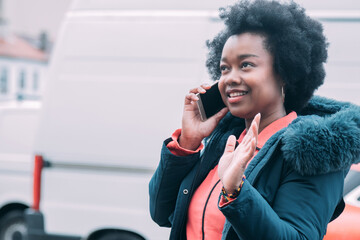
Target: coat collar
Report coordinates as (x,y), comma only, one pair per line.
(324,138)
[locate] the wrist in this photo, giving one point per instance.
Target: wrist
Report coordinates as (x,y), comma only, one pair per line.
(233,180)
(189,143)
(234,193)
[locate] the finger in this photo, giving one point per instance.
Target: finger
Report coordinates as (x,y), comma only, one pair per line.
(253,129)
(230,144)
(255,125)
(190,97)
(250,150)
(252,147)
(193,90)
(247,137)
(243,146)
(257,119)
(245,154)
(201,90)
(205,86)
(197,90)
(219,115)
(250,136)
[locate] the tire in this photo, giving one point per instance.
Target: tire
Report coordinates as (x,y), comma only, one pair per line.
(119,236)
(12,226)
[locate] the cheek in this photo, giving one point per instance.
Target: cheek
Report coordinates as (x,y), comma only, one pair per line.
(269,91)
(222,89)
(275,88)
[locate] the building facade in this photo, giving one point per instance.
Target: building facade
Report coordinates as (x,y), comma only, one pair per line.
(22,70)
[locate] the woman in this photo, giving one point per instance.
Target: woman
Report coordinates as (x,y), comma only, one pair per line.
(285,178)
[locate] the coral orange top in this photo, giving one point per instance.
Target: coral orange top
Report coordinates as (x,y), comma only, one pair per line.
(204,217)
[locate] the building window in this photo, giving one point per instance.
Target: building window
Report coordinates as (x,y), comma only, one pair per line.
(22,80)
(35,81)
(4,81)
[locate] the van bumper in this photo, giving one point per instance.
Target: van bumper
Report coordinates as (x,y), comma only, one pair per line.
(36,230)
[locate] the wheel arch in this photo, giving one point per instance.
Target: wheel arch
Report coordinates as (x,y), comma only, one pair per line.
(11,207)
(101,232)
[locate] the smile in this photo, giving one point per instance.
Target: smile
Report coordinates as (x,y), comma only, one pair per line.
(237,94)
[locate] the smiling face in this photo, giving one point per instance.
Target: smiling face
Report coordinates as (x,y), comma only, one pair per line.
(248,84)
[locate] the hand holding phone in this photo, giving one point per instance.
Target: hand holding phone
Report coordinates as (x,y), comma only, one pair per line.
(194,128)
(210,102)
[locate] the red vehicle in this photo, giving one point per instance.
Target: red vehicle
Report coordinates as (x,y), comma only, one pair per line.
(347,225)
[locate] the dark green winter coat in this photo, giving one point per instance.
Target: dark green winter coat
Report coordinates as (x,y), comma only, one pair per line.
(294,184)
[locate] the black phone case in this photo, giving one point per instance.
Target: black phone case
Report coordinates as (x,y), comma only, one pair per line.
(211,102)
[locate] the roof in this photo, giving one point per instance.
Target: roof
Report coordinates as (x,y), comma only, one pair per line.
(15,47)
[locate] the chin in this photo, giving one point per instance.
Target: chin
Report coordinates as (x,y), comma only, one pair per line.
(241,113)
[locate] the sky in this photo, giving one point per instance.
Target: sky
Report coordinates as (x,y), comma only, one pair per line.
(31,17)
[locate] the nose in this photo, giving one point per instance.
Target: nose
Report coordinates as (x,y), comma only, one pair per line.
(233,77)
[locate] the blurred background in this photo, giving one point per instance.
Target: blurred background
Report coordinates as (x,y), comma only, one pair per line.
(84,84)
(29,29)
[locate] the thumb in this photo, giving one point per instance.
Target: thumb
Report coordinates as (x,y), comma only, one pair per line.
(218,116)
(230,144)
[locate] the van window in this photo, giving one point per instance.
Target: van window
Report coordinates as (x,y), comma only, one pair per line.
(4,81)
(22,79)
(35,81)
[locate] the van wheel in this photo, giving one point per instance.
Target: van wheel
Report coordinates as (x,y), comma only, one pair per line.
(120,236)
(12,226)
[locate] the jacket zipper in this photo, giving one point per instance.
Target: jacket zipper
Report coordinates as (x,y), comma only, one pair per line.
(203,216)
(216,136)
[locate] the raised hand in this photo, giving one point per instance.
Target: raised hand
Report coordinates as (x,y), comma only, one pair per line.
(233,162)
(193,129)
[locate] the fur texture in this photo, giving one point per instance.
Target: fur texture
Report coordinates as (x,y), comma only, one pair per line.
(324,138)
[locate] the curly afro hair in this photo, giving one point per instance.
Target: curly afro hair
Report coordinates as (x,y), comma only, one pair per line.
(295,41)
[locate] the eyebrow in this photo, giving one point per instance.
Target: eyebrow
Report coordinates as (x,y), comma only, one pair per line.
(242,56)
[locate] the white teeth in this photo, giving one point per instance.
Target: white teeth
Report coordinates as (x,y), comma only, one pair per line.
(236,94)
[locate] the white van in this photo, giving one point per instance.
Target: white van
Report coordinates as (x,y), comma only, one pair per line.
(117,81)
(18,125)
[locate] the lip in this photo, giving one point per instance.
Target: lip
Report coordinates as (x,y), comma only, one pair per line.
(236,99)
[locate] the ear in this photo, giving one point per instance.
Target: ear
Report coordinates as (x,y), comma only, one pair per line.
(283,92)
(282,87)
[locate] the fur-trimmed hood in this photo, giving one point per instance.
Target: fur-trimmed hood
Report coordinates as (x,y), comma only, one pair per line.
(324,138)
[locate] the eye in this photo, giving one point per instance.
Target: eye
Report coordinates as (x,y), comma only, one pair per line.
(223,68)
(246,65)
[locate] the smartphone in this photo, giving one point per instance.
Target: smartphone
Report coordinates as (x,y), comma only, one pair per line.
(210,103)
